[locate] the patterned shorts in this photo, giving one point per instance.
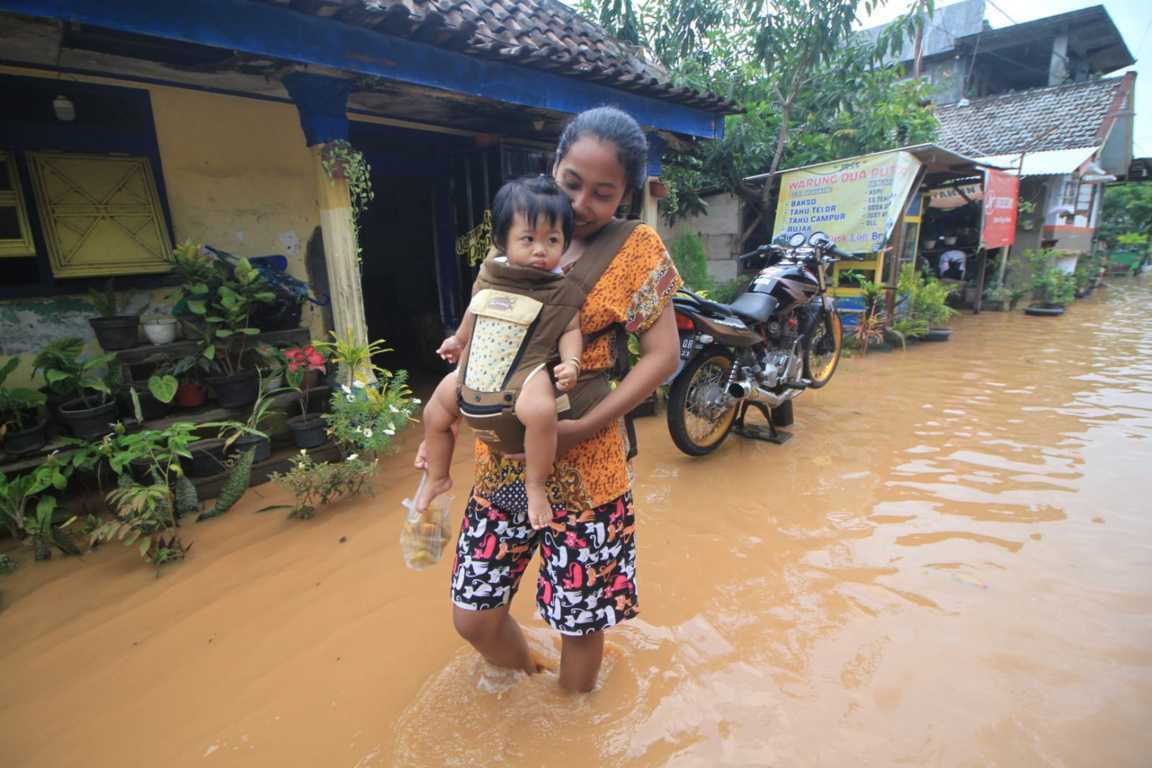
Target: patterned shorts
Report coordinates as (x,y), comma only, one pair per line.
(588,561)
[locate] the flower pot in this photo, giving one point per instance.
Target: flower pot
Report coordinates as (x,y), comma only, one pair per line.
(140,470)
(937,334)
(27,440)
(307,431)
(207,458)
(245,443)
(237,390)
(159,330)
(319,399)
(150,408)
(281,315)
(191,394)
(113,333)
(88,422)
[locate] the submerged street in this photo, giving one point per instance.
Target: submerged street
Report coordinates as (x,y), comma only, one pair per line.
(949,565)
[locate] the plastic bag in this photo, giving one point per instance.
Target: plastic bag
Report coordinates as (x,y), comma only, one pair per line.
(424,536)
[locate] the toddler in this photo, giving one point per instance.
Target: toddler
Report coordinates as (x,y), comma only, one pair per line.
(514,303)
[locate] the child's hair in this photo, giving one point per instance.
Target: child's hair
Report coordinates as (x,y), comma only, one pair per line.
(531,197)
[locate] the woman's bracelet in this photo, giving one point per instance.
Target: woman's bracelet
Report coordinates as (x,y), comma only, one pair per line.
(576,362)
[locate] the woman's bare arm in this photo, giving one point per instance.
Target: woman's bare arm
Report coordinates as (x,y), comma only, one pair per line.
(659,355)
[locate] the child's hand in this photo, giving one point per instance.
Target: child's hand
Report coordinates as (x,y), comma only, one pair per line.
(565,374)
(451,349)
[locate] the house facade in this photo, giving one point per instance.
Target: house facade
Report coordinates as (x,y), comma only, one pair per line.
(130,126)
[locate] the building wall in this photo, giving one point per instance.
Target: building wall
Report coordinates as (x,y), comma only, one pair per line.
(237,175)
(719,230)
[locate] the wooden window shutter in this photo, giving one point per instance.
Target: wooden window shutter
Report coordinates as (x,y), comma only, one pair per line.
(100,214)
(15,234)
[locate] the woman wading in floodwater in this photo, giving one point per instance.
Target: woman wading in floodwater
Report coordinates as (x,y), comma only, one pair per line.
(588,553)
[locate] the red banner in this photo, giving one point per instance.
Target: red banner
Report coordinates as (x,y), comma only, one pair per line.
(998,227)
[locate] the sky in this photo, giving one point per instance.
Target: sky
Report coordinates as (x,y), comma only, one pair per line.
(1132,17)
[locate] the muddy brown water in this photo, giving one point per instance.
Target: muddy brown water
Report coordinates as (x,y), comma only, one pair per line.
(950,565)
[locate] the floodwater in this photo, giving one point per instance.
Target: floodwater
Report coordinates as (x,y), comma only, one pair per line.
(950,565)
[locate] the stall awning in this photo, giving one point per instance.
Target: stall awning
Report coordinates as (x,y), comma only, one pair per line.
(1053,162)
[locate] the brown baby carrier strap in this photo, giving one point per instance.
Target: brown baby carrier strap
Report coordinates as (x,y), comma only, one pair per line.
(519,315)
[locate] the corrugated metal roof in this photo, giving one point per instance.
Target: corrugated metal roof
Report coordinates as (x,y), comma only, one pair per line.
(1056,162)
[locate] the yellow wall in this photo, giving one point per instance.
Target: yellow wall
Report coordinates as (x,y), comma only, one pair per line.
(237,175)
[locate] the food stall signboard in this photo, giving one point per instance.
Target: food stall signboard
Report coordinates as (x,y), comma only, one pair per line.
(998,225)
(857,201)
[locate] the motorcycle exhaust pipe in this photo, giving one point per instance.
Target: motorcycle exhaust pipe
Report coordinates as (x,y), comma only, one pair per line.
(746,389)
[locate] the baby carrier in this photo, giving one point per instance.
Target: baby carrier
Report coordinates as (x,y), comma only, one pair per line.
(519,315)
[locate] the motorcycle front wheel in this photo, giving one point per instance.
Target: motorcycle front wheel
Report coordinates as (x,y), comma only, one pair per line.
(697,419)
(822,351)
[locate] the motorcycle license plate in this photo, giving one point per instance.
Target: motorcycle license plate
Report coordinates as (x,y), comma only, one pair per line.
(687,345)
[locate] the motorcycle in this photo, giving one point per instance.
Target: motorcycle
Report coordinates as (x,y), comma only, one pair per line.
(780,337)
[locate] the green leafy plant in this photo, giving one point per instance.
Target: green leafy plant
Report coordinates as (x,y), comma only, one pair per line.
(341,160)
(317,483)
(353,357)
(145,519)
(1050,285)
(235,485)
(107,302)
(691,260)
(1087,271)
(366,417)
(66,374)
(18,405)
(925,297)
(28,508)
(7,564)
(226,309)
(231,431)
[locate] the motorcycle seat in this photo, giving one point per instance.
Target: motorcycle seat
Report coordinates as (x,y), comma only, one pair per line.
(757,307)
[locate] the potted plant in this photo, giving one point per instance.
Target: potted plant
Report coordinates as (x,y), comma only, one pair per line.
(301,372)
(226,311)
(22,423)
(152,401)
(87,406)
(248,436)
(926,308)
(113,327)
(28,508)
(190,371)
(1052,288)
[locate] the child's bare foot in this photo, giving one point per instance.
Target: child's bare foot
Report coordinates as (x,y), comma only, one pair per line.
(539,510)
(435,486)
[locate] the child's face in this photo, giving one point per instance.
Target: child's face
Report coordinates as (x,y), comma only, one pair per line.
(540,245)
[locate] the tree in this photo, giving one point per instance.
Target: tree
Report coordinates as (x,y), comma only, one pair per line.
(1127,210)
(810,88)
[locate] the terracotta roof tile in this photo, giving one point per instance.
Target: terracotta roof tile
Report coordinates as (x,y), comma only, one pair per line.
(1060,117)
(543,33)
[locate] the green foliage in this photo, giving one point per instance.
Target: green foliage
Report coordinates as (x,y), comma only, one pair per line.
(66,374)
(235,484)
(1132,240)
(318,483)
(158,450)
(692,261)
(870,328)
(925,297)
(353,357)
(144,515)
(163,387)
(17,404)
(7,564)
(1050,285)
(365,417)
(870,292)
(810,88)
(106,301)
(185,498)
(341,160)
(226,304)
(28,508)
(726,292)
(1087,271)
(1127,209)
